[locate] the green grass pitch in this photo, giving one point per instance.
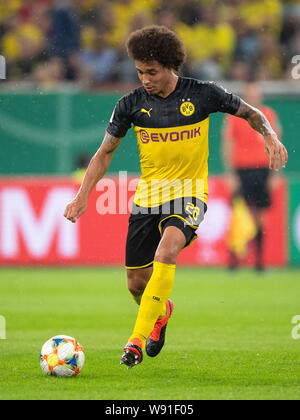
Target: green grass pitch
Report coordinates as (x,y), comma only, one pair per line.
(229,337)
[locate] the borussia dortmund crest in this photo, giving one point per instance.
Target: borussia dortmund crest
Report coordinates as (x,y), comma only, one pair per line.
(187,109)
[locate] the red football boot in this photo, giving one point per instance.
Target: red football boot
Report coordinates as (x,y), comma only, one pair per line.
(133,354)
(156,339)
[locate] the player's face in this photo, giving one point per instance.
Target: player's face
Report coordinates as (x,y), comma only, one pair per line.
(154,77)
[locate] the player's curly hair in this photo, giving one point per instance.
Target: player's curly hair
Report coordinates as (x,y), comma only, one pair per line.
(156,43)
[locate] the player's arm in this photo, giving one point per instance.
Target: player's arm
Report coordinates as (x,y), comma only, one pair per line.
(95,171)
(274,149)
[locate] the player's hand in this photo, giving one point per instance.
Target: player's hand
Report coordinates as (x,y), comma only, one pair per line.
(276,152)
(75,209)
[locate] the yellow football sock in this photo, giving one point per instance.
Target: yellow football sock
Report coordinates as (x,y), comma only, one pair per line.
(154,299)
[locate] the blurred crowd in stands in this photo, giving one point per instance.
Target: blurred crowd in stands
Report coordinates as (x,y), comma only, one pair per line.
(47,42)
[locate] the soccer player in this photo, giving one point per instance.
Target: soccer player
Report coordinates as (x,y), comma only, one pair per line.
(170,115)
(248,165)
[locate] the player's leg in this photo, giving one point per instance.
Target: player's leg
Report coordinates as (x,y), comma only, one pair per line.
(239,190)
(159,287)
(156,294)
(142,240)
(261,200)
(258,219)
(156,339)
(176,234)
(137,280)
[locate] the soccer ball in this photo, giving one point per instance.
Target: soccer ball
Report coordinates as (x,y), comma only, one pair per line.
(62,356)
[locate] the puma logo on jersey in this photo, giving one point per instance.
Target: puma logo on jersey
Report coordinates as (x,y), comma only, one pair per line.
(146,112)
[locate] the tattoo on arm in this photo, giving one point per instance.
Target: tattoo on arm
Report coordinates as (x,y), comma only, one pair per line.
(255,118)
(110,143)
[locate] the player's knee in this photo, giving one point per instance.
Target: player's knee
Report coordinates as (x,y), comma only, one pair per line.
(167,255)
(136,282)
(134,290)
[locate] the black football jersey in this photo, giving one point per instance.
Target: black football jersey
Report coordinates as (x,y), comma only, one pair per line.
(172,136)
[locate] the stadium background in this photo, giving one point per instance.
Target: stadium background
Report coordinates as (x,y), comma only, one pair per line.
(66,68)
